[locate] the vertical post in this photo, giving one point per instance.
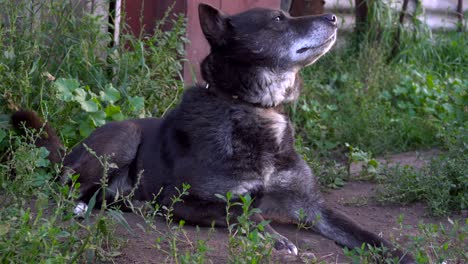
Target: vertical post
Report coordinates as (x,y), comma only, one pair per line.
(396,41)
(117,18)
(361,15)
(460,15)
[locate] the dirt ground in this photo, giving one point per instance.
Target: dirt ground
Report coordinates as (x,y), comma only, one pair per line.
(354,199)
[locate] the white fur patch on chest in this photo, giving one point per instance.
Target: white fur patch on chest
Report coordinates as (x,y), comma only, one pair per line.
(246,187)
(276,87)
(277,123)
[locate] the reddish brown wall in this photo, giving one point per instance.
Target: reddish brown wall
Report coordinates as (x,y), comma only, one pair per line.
(152,11)
(307,7)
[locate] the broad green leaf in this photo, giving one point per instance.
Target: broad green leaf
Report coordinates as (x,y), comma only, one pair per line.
(118,217)
(40,177)
(80,95)
(110,94)
(65,88)
(91,205)
(118,117)
(98,118)
(42,160)
(86,128)
(137,103)
(63,234)
(89,106)
(374,163)
(447,107)
(112,110)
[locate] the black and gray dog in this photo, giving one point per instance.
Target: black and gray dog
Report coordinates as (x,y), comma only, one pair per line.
(229,136)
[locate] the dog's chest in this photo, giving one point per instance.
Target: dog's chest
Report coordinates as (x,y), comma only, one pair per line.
(273,123)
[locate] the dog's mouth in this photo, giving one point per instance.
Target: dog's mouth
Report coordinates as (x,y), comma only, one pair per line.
(325,43)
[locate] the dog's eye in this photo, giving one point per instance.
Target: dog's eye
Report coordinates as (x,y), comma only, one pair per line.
(278,18)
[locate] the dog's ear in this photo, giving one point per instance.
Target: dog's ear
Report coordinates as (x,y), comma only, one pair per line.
(213,23)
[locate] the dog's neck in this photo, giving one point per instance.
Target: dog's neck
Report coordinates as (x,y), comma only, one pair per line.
(261,86)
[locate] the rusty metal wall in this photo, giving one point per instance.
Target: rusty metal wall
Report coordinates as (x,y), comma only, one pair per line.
(152,11)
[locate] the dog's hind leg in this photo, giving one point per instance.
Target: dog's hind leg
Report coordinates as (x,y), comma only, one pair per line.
(113,146)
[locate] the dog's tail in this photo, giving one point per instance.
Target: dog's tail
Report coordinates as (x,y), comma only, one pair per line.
(47,137)
(345,232)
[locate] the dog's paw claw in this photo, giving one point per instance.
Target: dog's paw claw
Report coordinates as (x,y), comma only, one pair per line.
(284,243)
(80,209)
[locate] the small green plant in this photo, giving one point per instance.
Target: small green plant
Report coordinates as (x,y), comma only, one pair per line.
(173,238)
(248,241)
(369,165)
(443,184)
(330,173)
(367,254)
(436,243)
(439,243)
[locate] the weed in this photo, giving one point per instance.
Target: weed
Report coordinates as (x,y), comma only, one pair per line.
(431,243)
(443,184)
(172,241)
(37,221)
(437,243)
(369,164)
(248,241)
(367,254)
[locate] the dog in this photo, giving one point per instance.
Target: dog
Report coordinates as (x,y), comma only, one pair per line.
(229,135)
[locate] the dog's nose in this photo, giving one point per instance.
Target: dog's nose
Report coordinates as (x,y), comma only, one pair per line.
(330,18)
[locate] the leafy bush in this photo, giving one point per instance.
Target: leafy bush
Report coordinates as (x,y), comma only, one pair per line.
(356,95)
(66,56)
(89,110)
(375,106)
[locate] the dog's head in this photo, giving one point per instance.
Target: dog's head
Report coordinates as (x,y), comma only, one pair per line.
(270,41)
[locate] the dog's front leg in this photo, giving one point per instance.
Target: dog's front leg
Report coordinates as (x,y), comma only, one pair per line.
(281,242)
(293,196)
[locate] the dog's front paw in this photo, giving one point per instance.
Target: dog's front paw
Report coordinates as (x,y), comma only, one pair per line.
(282,243)
(80,210)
